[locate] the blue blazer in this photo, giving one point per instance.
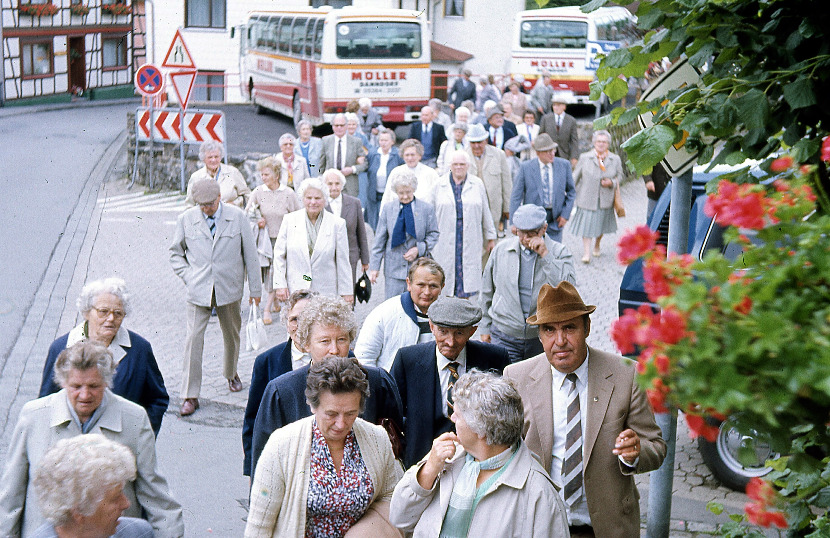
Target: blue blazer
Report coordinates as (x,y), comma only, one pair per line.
(527,188)
(437,132)
(267,366)
(416,375)
(284,402)
(509,129)
(426,237)
(137,377)
(374,165)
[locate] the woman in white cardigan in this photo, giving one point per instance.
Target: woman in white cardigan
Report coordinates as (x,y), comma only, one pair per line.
(330,472)
(312,248)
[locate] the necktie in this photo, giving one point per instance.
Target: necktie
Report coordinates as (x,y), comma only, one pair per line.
(212,225)
(547,188)
(453,368)
(572,466)
(339,157)
(558,123)
(529,136)
(493,137)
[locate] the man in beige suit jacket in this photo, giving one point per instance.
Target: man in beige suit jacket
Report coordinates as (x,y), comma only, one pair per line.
(619,437)
(352,155)
(213,251)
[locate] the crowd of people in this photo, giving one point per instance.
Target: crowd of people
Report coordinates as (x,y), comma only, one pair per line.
(408,424)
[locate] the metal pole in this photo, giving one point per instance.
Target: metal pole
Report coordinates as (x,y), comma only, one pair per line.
(660,481)
(181,148)
(2,62)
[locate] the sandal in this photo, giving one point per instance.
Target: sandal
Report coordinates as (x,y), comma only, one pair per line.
(586,259)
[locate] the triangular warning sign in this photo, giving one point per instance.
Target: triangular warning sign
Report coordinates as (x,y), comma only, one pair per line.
(183,84)
(177,55)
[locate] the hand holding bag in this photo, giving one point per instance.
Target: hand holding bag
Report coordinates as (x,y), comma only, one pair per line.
(256,336)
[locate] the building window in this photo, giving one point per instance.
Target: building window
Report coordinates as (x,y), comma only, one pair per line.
(453,8)
(209,86)
(114,50)
(205,13)
(36,59)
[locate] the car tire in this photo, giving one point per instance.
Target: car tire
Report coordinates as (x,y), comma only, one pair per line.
(722,456)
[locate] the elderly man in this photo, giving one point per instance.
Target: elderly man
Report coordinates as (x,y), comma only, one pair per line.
(213,251)
(562,127)
(499,130)
(343,152)
(428,133)
(546,181)
(425,373)
(401,320)
(325,329)
(513,276)
(463,89)
(586,418)
(491,166)
(541,94)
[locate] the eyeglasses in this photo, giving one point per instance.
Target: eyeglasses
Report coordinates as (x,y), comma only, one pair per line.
(106,312)
(338,124)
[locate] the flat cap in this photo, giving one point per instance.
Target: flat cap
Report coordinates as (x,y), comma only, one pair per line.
(454,312)
(529,217)
(204,190)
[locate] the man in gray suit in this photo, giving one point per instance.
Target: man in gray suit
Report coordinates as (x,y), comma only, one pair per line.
(213,250)
(344,152)
(562,128)
(546,181)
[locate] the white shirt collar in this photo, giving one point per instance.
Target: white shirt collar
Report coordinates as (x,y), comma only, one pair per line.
(581,374)
(116,347)
(443,361)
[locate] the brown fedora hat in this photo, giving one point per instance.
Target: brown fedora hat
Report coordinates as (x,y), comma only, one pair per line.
(559,304)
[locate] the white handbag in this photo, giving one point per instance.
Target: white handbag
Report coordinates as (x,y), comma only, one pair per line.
(255,332)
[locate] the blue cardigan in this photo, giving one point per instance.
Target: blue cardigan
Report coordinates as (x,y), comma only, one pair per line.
(137,377)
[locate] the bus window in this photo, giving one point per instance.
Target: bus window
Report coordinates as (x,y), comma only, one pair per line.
(553,35)
(318,39)
(309,37)
(378,40)
(298,37)
(285,33)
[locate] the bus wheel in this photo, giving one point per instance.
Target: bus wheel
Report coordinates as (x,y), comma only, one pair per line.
(297,109)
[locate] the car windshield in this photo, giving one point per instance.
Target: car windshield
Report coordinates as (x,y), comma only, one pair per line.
(363,40)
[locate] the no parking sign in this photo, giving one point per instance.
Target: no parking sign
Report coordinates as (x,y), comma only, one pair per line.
(148,79)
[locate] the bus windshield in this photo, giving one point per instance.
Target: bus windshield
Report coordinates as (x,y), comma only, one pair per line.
(553,34)
(359,40)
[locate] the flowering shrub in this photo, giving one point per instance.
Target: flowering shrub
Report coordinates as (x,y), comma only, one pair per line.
(38,10)
(748,338)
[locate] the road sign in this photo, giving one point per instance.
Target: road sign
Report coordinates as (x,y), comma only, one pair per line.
(183,84)
(166,126)
(149,80)
(178,57)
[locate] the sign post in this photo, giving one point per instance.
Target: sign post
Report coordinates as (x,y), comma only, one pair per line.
(149,81)
(178,57)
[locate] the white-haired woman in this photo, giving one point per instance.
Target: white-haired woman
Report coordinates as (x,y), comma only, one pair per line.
(597,175)
(353,128)
(104,304)
(80,489)
(406,231)
(369,120)
(457,140)
(84,405)
(293,167)
(465,227)
(269,204)
(349,209)
(308,147)
(312,248)
(412,151)
(382,160)
(481,480)
(232,186)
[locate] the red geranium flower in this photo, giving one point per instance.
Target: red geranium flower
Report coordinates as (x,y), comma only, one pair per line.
(759,515)
(737,205)
(781,164)
(698,426)
(636,243)
(825,149)
(743,307)
(760,490)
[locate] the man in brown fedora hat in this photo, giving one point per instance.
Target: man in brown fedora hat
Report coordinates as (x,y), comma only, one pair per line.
(586,418)
(546,181)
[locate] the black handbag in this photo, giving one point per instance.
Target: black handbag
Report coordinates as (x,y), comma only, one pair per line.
(363,289)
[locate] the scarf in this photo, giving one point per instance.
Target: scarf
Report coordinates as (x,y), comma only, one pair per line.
(289,169)
(465,496)
(601,160)
(404,225)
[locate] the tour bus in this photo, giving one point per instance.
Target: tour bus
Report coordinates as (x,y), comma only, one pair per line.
(564,42)
(311,62)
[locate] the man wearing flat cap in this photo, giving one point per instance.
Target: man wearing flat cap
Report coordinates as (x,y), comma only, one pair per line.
(546,181)
(426,372)
(213,251)
(586,418)
(513,277)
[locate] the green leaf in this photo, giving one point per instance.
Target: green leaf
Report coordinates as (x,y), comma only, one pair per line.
(593,5)
(805,148)
(822,498)
(703,55)
(800,94)
(618,58)
(616,89)
(714,507)
(628,116)
(649,146)
(603,122)
(753,108)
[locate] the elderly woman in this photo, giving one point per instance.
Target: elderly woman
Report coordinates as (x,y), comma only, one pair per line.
(232,185)
(515,98)
(353,128)
(103,305)
(368,118)
(349,209)
(84,405)
(412,152)
(465,226)
(597,175)
(382,160)
(457,140)
(320,475)
(293,167)
(488,92)
(406,231)
(80,489)
(269,203)
(481,480)
(308,147)
(312,248)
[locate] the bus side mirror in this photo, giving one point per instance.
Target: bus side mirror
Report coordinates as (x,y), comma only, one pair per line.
(233,31)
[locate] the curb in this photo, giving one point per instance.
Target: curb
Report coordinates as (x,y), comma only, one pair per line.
(8,111)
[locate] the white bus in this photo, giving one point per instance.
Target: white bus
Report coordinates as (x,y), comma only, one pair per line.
(564,42)
(310,63)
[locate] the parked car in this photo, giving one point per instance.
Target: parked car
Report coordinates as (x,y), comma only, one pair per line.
(734,457)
